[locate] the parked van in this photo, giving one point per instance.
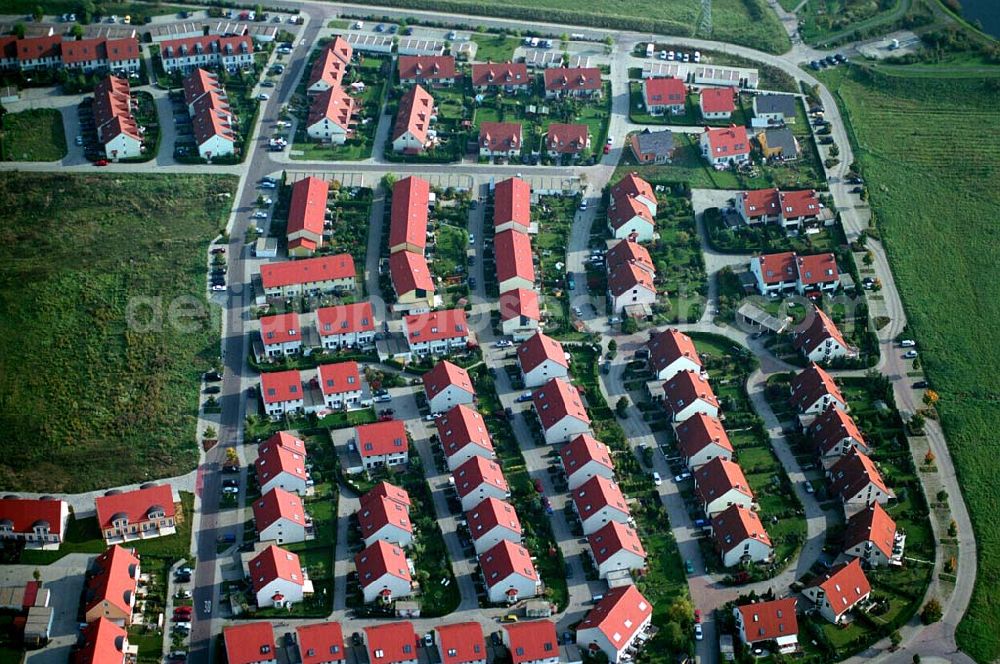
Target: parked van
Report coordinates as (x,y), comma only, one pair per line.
(907,343)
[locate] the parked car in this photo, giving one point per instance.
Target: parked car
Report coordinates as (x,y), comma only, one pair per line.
(213,389)
(908,343)
(910,355)
(101,162)
(807,485)
(689,567)
(263,96)
(382,398)
(699,634)
(920,385)
(683,476)
(656,478)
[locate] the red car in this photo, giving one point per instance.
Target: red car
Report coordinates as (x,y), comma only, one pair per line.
(697,616)
(538,486)
(607,149)
(182,610)
(101,162)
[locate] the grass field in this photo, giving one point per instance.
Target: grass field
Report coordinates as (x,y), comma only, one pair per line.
(823,19)
(495,48)
(33,135)
(105,329)
(928,171)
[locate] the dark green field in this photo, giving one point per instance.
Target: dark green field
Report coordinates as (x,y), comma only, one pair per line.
(88,400)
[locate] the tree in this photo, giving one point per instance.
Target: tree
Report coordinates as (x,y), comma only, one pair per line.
(621,407)
(930,397)
(917,423)
(681,611)
(674,637)
(37,574)
(929,458)
(19,30)
(895,638)
(942,496)
(612,346)
(834,150)
(210,433)
(388,180)
(931,612)
(953,529)
(869,258)
(259,11)
(38,14)
(629,326)
(77,31)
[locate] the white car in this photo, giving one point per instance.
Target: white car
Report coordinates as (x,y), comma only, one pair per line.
(263,96)
(683,476)
(267,201)
(699,634)
(910,355)
(219,288)
(656,478)
(503,343)
(208,606)
(578,312)
(907,343)
(259,214)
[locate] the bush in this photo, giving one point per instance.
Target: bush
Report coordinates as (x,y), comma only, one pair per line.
(931,612)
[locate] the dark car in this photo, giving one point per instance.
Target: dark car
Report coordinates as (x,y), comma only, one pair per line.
(472,282)
(920,384)
(213,389)
(230,481)
(356,638)
(857,190)
(212,376)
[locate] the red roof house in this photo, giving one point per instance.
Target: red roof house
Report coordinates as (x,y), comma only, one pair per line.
(411,278)
(701,438)
(520,313)
(279,516)
(570,139)
(542,358)
(413,120)
(572,82)
(447,385)
(664,95)
(321,643)
(599,501)
(740,536)
(769,621)
(141,513)
(721,483)
(383,572)
(111,586)
(560,410)
(408,219)
(508,573)
(281,334)
(616,550)
(613,626)
(463,434)
(689,392)
(512,77)
(717,103)
(382,443)
(437,332)
(512,205)
(858,482)
(514,260)
(813,390)
(250,643)
(427,69)
(324,273)
(307,211)
(670,352)
(872,537)
(532,642)
(461,643)
(478,479)
(584,457)
(391,643)
(102,642)
(500,139)
(491,521)
(723,147)
(839,590)
(276,578)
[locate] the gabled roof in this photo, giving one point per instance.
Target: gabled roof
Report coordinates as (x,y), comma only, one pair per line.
(307,271)
(115,579)
(775,268)
(832,426)
(279,386)
(249,643)
(504,560)
(445,374)
(408,219)
(657,143)
(627,276)
(566,138)
(24,514)
(537,349)
(619,615)
(476,472)
(331,65)
(668,346)
(381,558)
(82,50)
(512,202)
(773,103)
(414,114)
(101,642)
(377,513)
(500,136)
(557,399)
(339,377)
(817,269)
(206,44)
(391,642)
(436,326)
(275,563)
(718,100)
(461,642)
(612,538)
(627,251)
(698,432)
(583,449)
(409,272)
(572,78)
(597,493)
(624,209)
(513,256)
(728,141)
(795,204)
(502,73)
(427,67)
(811,384)
(489,514)
(853,472)
(766,621)
(136,505)
(461,426)
(381,438)
(285,440)
(761,203)
(333,104)
(519,303)
(33,48)
(345,319)
(665,92)
(736,524)
(531,641)
(685,388)
(872,524)
(844,586)
(385,490)
(201,82)
(280,329)
(212,121)
(126,48)
(718,477)
(274,460)
(321,642)
(275,505)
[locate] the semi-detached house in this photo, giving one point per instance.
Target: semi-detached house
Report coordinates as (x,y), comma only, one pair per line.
(140,514)
(616,550)
(413,121)
(437,332)
(520,313)
(532,642)
(572,82)
(500,139)
(813,391)
(505,76)
(346,326)
(701,438)
(478,479)
(542,358)
(834,433)
(329,68)
(460,643)
(560,411)
(250,643)
(670,352)
(463,434)
(818,339)
(584,457)
(281,334)
(279,517)
(872,537)
(276,578)
(433,70)
(38,522)
(117,130)
(765,622)
(857,482)
(839,590)
(688,393)
(493,521)
(281,464)
(394,643)
(408,215)
(382,444)
(321,643)
(112,585)
(411,281)
(614,625)
(447,385)
(282,393)
(512,205)
(514,261)
(104,642)
(508,573)
(721,483)
(786,272)
(740,537)
(599,501)
(331,114)
(384,572)
(340,384)
(382,518)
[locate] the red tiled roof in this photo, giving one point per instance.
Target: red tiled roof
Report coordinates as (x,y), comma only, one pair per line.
(612,538)
(33,48)
(23,514)
(815,330)
(627,276)
(796,204)
(583,449)
(504,73)
(377,513)
(307,271)
(698,432)
(426,67)
(115,579)
(285,440)
(513,256)
(275,563)
(633,186)
(381,558)
(280,329)
(489,514)
(135,505)
(409,272)
(504,560)
(832,426)
(461,642)
(345,319)
(200,82)
(408,220)
(597,493)
(333,104)
(321,643)
(668,346)
(760,202)
(519,303)
(557,399)
(874,525)
(500,136)
(460,426)
(275,505)
(736,524)
(566,138)
(249,643)
(625,208)
(718,477)
(113,109)
(436,325)
(82,50)
(844,586)
(811,384)
(339,377)
(626,251)
(414,114)
(102,641)
(381,438)
(273,460)
(685,388)
(341,48)
(478,471)
(531,641)
(512,202)
(331,65)
(572,78)
(729,141)
(539,348)
(126,48)
(385,490)
(207,44)
(817,269)
(665,92)
(718,100)
(397,642)
(619,615)
(765,621)
(852,473)
(279,386)
(443,375)
(775,268)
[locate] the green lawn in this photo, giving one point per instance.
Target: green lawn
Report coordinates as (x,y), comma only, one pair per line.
(102,309)
(494,47)
(931,184)
(33,135)
(823,20)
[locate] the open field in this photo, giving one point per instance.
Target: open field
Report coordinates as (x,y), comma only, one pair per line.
(104,325)
(826,19)
(929,171)
(33,135)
